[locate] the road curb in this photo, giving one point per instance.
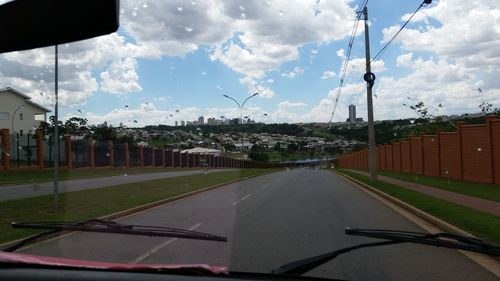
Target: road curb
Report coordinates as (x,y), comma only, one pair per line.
(138,209)
(415,211)
(492,264)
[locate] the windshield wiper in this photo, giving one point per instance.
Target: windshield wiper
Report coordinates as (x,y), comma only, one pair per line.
(107,226)
(447,240)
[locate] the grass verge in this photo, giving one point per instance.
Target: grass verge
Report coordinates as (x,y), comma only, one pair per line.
(87,204)
(481,224)
(27,176)
(479,190)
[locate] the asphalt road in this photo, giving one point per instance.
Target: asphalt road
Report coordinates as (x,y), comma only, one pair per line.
(9,192)
(274,219)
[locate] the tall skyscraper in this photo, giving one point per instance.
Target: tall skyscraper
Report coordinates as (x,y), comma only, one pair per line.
(352,113)
(201,120)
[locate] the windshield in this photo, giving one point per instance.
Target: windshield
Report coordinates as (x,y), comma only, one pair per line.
(274,125)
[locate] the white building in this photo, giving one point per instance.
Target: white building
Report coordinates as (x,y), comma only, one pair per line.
(18,112)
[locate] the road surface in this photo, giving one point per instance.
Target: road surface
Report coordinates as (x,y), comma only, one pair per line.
(274,219)
(9,192)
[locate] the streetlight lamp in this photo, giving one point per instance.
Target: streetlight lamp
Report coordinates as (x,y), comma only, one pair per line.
(14,116)
(242,105)
(14,134)
(241,111)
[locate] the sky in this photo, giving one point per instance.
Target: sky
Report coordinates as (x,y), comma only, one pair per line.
(174,60)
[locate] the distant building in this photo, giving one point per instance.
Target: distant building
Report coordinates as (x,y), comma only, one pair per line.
(18,112)
(352,113)
(201,120)
(211,121)
(183,123)
(176,123)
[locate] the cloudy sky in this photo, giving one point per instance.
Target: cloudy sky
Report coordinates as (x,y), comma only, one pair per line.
(174,60)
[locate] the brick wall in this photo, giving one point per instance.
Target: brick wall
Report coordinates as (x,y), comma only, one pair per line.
(476,152)
(472,153)
(430,147)
(405,157)
(451,162)
(417,164)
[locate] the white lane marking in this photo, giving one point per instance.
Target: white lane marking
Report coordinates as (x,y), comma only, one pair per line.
(266,185)
(243,198)
(162,245)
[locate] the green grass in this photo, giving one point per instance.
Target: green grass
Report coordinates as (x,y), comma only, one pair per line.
(26,176)
(87,204)
(480,190)
(478,223)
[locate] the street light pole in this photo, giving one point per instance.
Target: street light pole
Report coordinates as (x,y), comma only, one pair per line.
(369,77)
(241,111)
(56,132)
(14,116)
(14,133)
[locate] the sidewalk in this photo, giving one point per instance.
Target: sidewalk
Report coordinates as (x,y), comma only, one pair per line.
(475,203)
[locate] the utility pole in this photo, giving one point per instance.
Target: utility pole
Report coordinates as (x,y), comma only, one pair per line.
(369,77)
(56,133)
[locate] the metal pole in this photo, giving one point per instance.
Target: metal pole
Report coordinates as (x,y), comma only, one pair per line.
(28,151)
(241,113)
(370,79)
(56,134)
(17,148)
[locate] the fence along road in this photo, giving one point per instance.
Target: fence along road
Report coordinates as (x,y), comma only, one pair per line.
(10,192)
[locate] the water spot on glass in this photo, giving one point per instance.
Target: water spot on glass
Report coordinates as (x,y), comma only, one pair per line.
(134,13)
(180,8)
(189,29)
(122,11)
(144,5)
(193,2)
(66,45)
(242,8)
(243,16)
(35,76)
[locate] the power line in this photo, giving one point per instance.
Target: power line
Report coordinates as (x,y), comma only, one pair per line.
(382,51)
(346,61)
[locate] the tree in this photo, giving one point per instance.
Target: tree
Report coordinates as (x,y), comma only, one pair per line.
(293,147)
(76,126)
(103,133)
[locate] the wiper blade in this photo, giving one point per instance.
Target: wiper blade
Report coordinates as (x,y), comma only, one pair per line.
(442,239)
(107,226)
(447,240)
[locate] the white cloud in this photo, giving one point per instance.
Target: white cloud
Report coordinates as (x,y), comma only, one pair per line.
(32,71)
(341,53)
(288,104)
(357,66)
(295,72)
(466,33)
(257,87)
(173,29)
(273,31)
(404,60)
(327,74)
(433,81)
(121,77)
